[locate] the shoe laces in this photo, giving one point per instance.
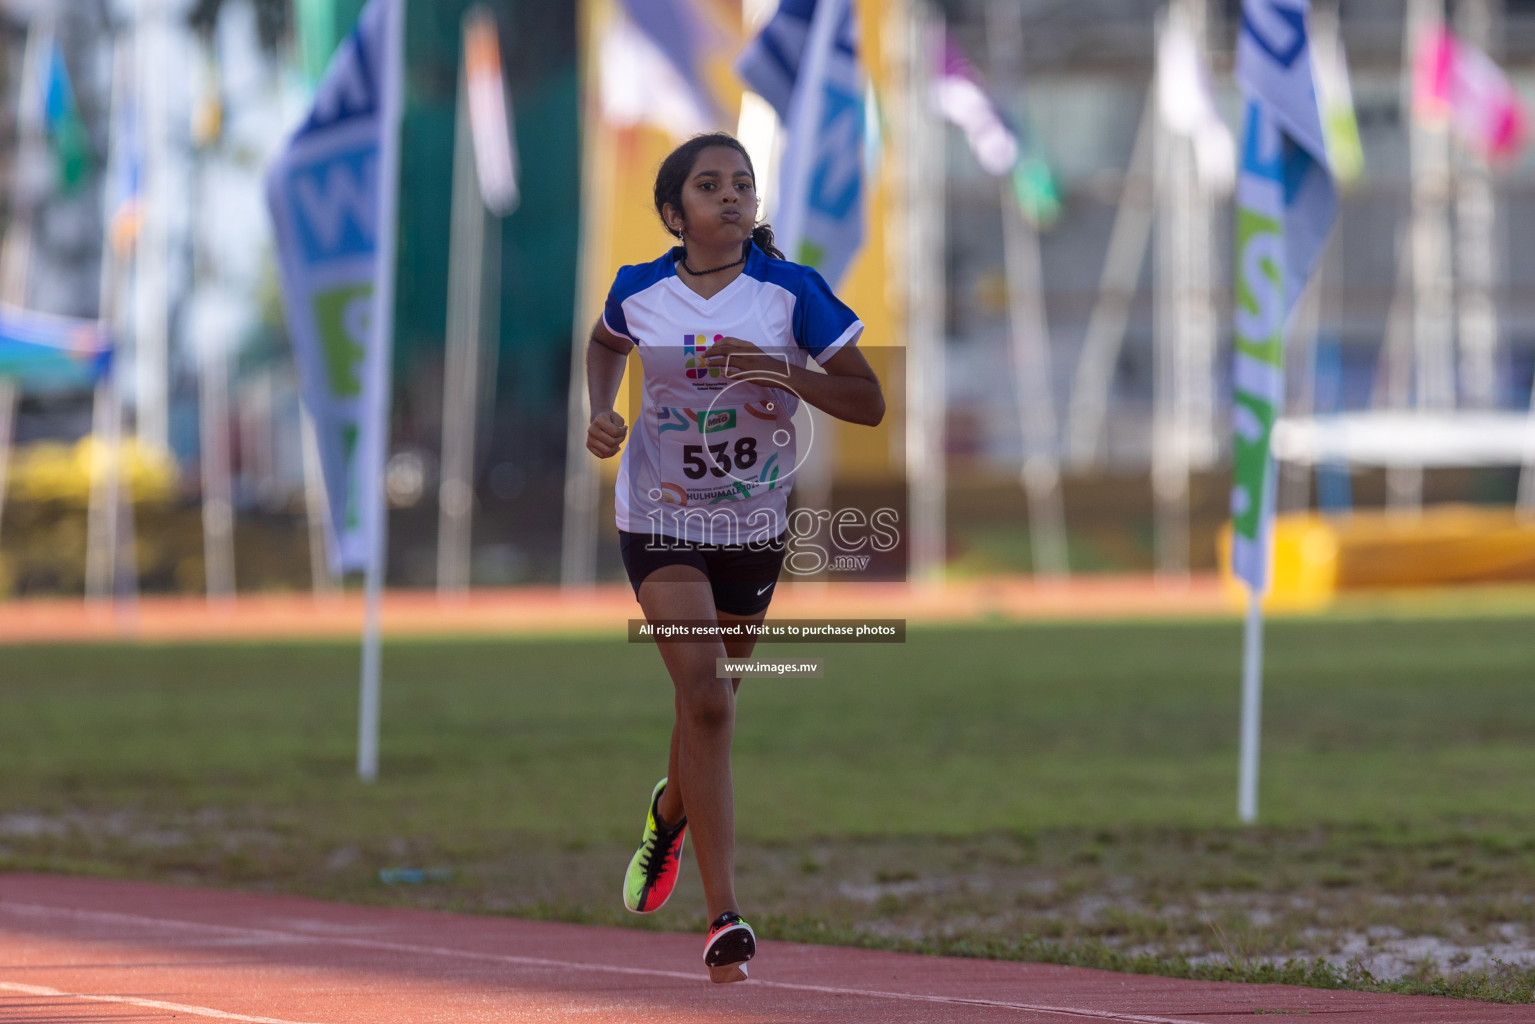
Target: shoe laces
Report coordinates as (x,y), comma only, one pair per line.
(659,847)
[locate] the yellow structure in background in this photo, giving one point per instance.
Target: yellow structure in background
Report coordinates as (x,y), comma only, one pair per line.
(871,289)
(620,226)
(54,471)
(1318,557)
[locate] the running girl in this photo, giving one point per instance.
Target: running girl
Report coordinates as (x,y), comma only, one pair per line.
(724,326)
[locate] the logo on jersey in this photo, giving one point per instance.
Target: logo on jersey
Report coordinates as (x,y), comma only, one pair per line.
(688,420)
(719,419)
(694,348)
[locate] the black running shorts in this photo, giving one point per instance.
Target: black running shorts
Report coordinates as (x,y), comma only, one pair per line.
(741,575)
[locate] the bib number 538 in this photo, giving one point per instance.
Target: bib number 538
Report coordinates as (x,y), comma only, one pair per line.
(695,466)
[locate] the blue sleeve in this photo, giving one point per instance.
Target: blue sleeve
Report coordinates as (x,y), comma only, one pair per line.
(822,322)
(613,309)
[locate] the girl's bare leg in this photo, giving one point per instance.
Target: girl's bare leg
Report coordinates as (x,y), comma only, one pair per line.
(672,809)
(700,783)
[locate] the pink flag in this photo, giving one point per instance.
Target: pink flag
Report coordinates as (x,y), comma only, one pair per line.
(1459,84)
(962,98)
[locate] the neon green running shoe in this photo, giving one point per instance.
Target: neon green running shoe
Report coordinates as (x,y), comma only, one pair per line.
(653,871)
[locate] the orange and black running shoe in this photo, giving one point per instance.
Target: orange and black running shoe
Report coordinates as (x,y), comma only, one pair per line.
(730,944)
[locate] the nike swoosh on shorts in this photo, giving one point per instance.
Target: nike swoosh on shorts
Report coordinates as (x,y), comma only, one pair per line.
(764,590)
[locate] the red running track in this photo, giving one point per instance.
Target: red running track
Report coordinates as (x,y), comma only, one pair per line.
(74,950)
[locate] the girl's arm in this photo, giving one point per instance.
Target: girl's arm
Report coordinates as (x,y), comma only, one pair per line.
(606,356)
(848,389)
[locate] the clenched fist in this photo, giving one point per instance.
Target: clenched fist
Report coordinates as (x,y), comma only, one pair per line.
(605,433)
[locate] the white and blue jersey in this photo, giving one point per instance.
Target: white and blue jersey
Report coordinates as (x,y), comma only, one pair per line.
(711,460)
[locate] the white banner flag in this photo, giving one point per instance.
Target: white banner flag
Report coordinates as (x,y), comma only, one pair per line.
(490,115)
(332,193)
(1285,207)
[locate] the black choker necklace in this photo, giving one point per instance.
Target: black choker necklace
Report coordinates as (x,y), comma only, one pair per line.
(711,270)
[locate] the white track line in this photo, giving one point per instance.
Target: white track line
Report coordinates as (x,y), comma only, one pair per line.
(152,1004)
(277,935)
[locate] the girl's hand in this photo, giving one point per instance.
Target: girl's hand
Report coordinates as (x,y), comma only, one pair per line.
(743,359)
(605,433)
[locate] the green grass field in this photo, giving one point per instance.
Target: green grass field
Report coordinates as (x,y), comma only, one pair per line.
(1059,792)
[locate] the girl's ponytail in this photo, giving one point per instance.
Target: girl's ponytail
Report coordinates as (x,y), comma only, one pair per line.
(762,237)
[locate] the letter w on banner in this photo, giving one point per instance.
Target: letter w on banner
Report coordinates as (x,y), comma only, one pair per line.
(1284,209)
(805,64)
(329,211)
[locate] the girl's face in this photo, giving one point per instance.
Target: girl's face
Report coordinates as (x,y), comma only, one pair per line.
(719,199)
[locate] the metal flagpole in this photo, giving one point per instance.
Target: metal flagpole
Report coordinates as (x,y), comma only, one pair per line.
(111,559)
(578,535)
(1032,371)
(1433,281)
(1475,231)
(1174,162)
(1183,427)
(925,377)
(1433,285)
(123,550)
(1199,368)
(104,522)
(1392,387)
(213,417)
(98,525)
(484,185)
(101,518)
(218,503)
(466,272)
(1252,709)
(151,292)
(116,573)
(375,505)
(1087,415)
(125,302)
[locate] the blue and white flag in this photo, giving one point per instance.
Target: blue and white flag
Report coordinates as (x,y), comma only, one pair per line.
(1285,206)
(652,56)
(46,353)
(332,194)
(805,64)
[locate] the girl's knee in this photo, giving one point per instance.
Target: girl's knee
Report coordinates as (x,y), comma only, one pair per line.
(706,703)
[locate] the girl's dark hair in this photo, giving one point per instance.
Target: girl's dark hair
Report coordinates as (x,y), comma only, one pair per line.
(673,174)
